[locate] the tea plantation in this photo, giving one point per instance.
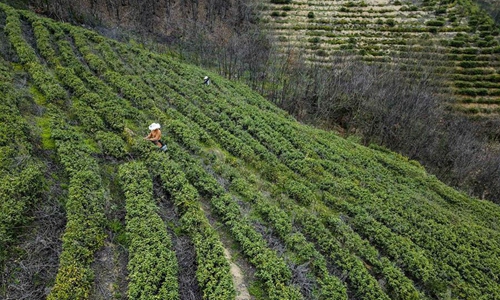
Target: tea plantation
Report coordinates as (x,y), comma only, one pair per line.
(456,37)
(303,213)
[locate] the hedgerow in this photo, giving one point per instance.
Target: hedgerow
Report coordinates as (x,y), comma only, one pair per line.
(21,182)
(271,269)
(212,268)
(330,287)
(152,264)
(84,233)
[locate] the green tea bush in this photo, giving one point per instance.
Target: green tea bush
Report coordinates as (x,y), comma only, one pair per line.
(150,244)
(456,43)
(485,28)
(462,50)
(473,64)
(212,267)
(440,11)
(476,71)
(463,84)
(375,215)
(314,40)
(473,92)
(436,23)
(18,192)
(87,117)
(84,230)
(111,144)
(494,92)
(390,22)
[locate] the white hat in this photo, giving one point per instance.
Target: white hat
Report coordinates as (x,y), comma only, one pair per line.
(154,126)
(206,77)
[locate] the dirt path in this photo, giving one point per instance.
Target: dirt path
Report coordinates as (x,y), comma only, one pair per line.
(241,288)
(238,277)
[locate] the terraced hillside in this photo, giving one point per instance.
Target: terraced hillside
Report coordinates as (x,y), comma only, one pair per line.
(245,200)
(454,36)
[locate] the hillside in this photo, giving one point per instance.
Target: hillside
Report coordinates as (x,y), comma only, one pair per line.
(454,36)
(90,210)
(492,7)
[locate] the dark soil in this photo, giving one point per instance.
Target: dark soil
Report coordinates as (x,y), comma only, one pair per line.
(184,248)
(32,268)
(110,269)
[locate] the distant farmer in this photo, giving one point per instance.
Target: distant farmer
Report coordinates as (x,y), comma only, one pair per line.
(155,136)
(206,80)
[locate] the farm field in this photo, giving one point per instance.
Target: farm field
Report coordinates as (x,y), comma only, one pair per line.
(454,36)
(245,203)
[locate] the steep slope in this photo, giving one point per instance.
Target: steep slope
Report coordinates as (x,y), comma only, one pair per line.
(454,36)
(306,214)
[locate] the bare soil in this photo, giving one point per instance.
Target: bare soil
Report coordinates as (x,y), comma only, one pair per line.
(110,269)
(184,248)
(238,279)
(240,270)
(32,269)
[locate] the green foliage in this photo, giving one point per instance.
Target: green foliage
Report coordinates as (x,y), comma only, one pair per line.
(21,174)
(435,23)
(348,220)
(73,282)
(111,144)
(46,135)
(270,269)
(377,30)
(390,22)
(473,92)
(215,283)
(456,43)
(440,10)
(88,118)
(18,192)
(41,75)
(152,264)
(314,40)
(84,233)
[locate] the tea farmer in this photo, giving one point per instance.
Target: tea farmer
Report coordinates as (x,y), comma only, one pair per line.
(155,136)
(206,80)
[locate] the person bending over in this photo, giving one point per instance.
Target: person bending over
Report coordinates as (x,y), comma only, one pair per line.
(155,136)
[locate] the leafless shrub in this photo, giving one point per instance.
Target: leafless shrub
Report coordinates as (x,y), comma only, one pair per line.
(186,258)
(28,276)
(400,107)
(301,279)
(273,241)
